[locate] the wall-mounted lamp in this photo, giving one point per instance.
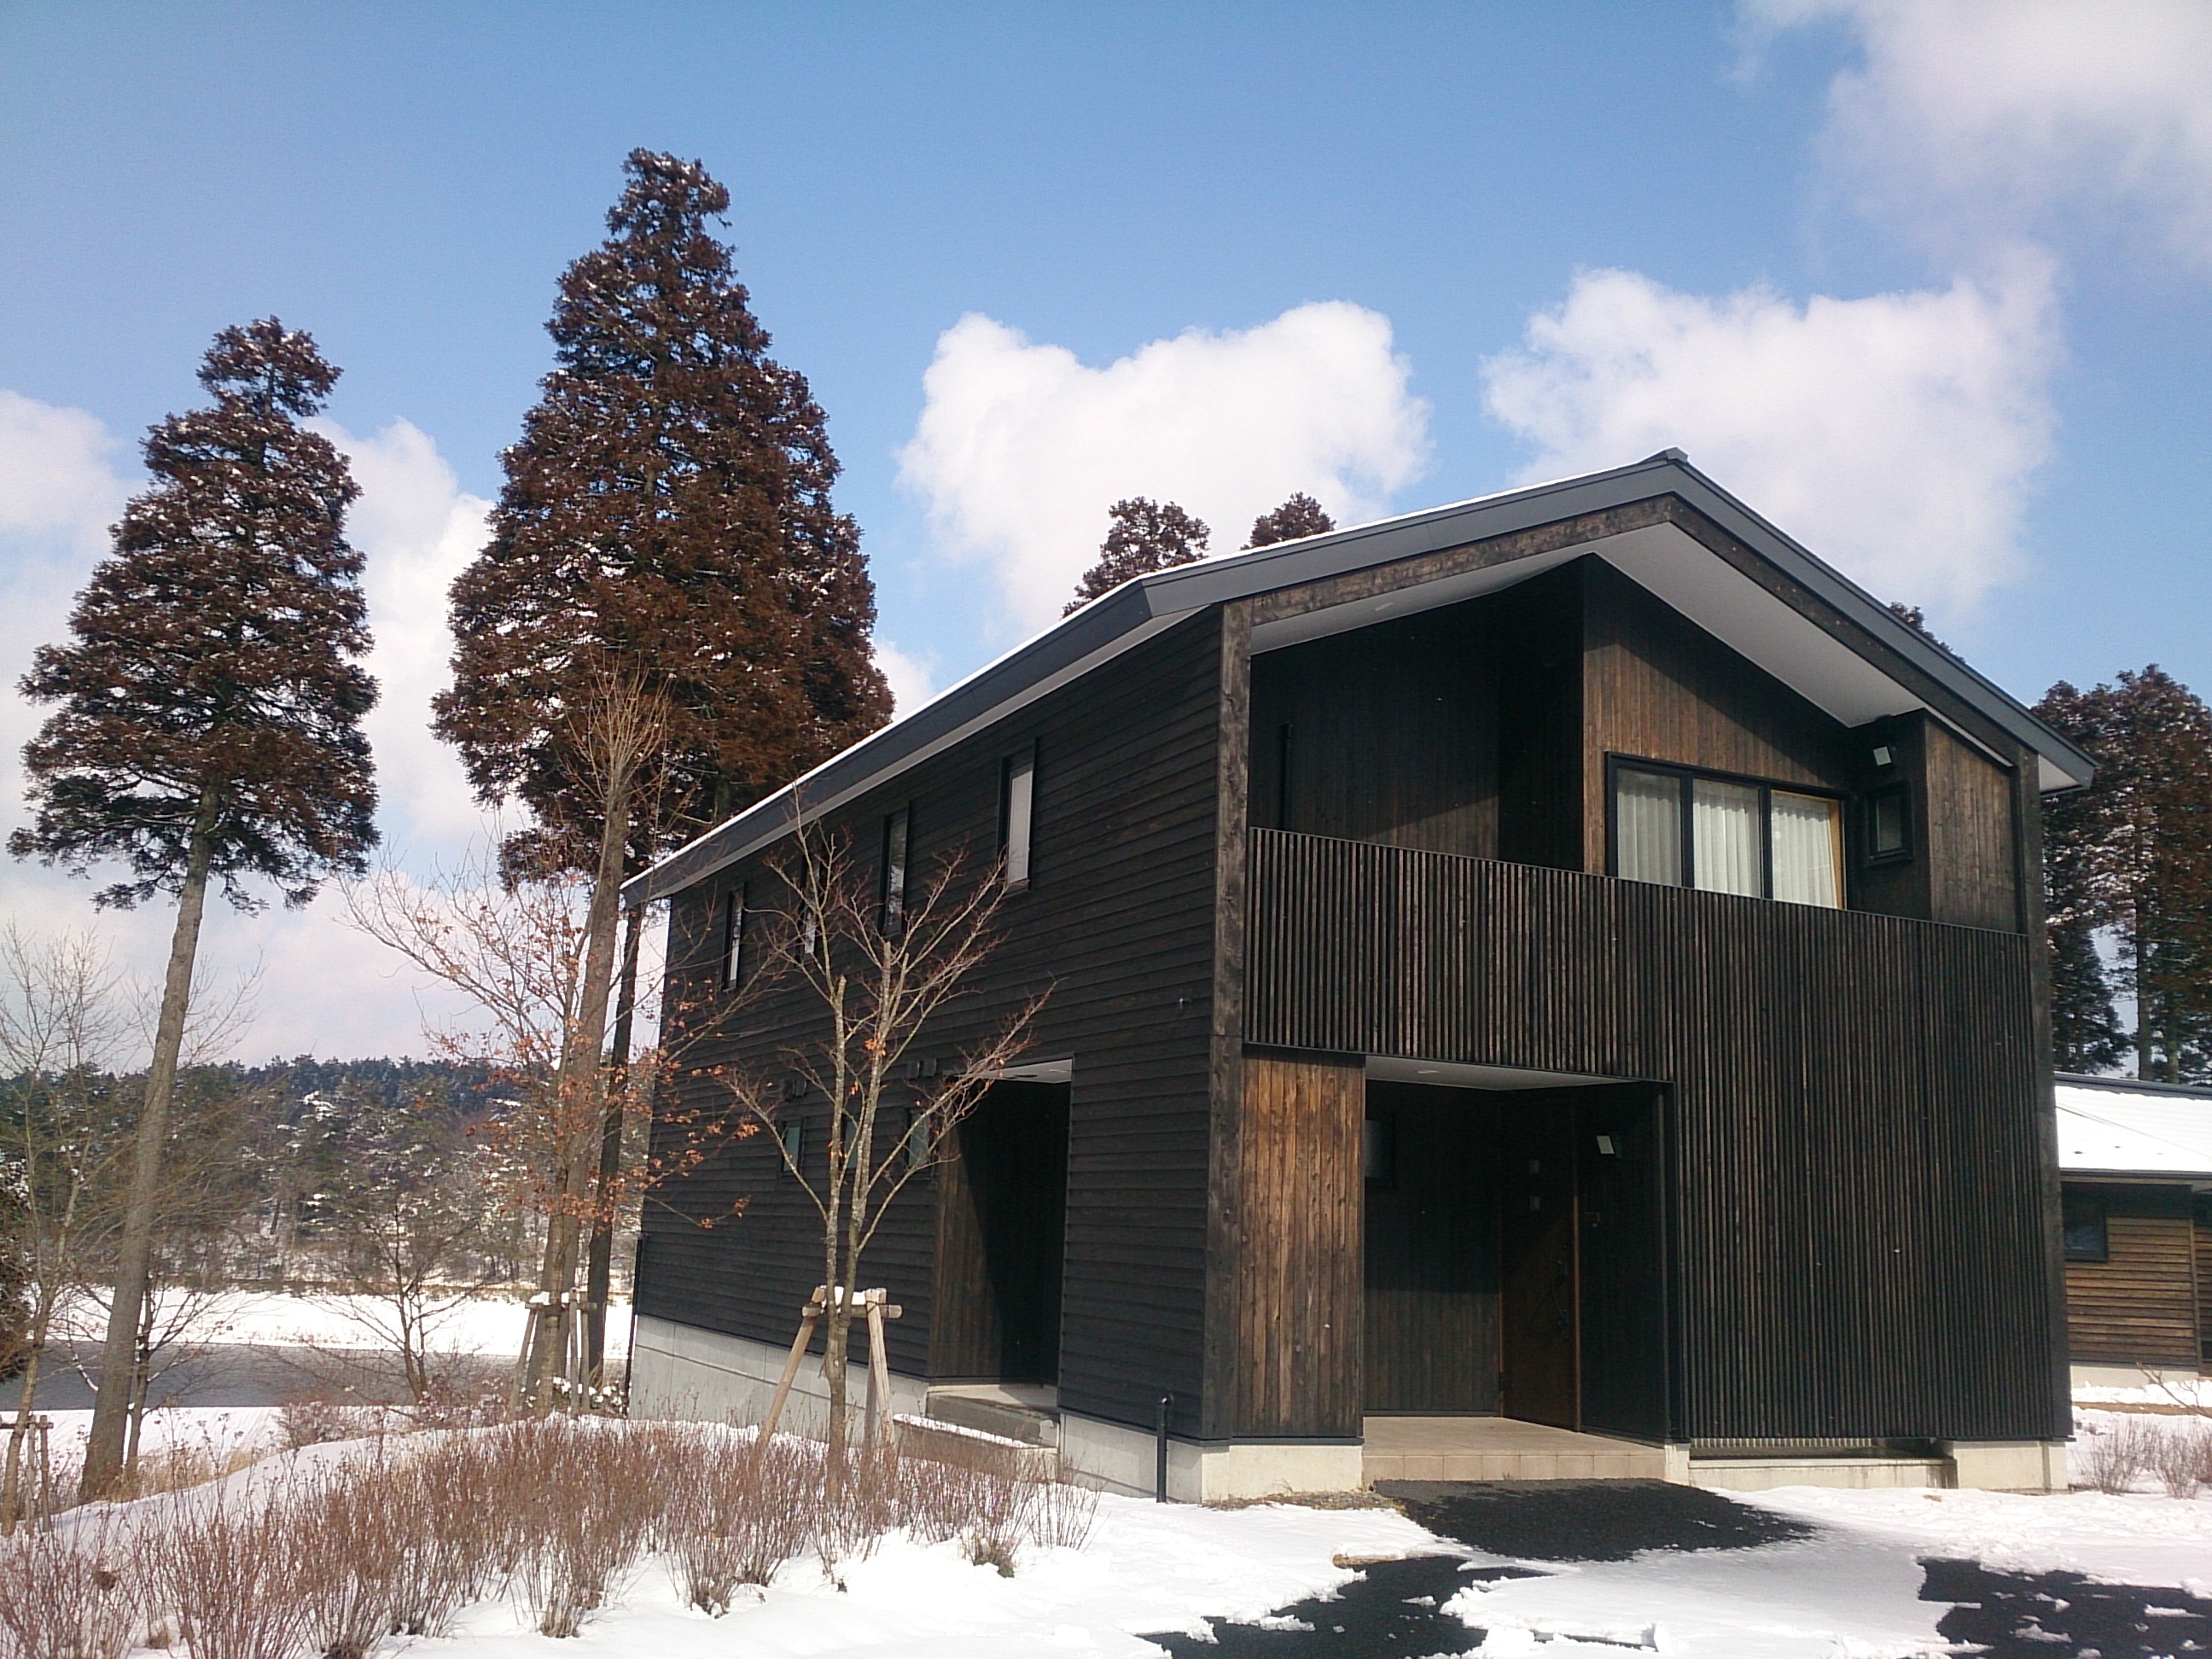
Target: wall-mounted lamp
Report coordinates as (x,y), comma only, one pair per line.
(1884,755)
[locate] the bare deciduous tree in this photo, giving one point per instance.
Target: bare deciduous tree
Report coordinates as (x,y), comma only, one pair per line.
(876,978)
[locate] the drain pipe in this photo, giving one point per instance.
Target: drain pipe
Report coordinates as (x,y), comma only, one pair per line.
(1160,1450)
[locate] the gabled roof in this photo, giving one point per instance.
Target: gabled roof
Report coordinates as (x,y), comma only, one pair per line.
(1787,624)
(2119,1127)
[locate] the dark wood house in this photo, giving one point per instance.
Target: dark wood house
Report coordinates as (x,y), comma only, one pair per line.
(1560,972)
(2136,1162)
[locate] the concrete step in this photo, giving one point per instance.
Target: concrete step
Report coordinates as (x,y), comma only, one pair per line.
(1032,1426)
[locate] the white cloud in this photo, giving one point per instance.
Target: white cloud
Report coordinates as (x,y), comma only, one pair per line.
(1980,120)
(913,679)
(324,988)
(417,529)
(1895,435)
(1021,447)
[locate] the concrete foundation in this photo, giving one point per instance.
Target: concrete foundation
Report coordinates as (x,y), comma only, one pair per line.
(1123,1459)
(682,1371)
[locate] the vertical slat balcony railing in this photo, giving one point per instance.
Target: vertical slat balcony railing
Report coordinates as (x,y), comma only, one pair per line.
(1857,1100)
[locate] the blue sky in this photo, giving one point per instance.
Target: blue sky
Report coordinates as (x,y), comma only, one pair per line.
(1931,285)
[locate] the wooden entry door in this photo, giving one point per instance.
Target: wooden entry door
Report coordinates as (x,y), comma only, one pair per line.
(1541,1325)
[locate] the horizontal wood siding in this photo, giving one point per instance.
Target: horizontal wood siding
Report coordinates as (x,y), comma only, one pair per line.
(1298,1279)
(1860,1227)
(2139,1305)
(1118,921)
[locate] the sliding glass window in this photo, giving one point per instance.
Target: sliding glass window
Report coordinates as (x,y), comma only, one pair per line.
(1683,829)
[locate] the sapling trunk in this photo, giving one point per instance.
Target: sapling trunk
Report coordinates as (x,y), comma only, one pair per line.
(110,1412)
(598,1267)
(578,1095)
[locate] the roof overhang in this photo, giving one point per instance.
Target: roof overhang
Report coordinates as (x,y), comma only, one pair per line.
(1751,587)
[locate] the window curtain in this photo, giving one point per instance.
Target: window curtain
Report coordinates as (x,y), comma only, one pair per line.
(1648,822)
(1724,835)
(1808,863)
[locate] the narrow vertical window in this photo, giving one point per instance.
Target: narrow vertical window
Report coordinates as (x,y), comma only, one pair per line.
(1648,826)
(1725,837)
(892,898)
(1283,733)
(733,936)
(1018,808)
(1808,849)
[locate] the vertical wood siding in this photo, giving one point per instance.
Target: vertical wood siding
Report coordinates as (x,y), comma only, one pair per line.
(1118,920)
(1971,854)
(2139,1305)
(1859,1178)
(1657,686)
(1298,1269)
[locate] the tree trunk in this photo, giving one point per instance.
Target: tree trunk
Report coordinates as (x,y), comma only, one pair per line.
(598,1267)
(580,1100)
(110,1412)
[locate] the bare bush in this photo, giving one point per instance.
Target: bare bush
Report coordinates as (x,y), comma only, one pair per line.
(2117,1455)
(449,1497)
(596,1493)
(69,1595)
(353,1535)
(2181,1458)
(226,1566)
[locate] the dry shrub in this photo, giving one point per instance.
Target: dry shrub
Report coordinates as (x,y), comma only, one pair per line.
(2180,1456)
(590,1493)
(741,1508)
(227,1565)
(69,1595)
(2115,1455)
(994,1498)
(449,1497)
(353,1533)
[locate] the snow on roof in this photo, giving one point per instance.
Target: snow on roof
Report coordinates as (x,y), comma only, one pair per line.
(2120,1127)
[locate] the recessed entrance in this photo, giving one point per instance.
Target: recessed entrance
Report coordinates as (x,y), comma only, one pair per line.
(1000,1231)
(1516,1255)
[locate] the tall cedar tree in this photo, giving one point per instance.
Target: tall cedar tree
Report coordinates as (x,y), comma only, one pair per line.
(210,719)
(1301,515)
(2132,853)
(666,517)
(665,539)
(1143,535)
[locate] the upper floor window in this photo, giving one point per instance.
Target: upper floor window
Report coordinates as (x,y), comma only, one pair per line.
(733,936)
(1017,808)
(2087,1236)
(1684,829)
(891,894)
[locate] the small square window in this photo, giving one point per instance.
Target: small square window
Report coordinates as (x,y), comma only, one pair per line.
(2086,1239)
(1888,826)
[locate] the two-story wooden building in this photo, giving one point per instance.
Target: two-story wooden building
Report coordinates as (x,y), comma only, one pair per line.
(1567,964)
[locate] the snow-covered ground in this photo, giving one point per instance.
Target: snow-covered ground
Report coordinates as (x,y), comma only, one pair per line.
(1852,1590)
(489,1323)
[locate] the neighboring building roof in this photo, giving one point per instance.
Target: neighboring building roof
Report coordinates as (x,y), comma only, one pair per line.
(1782,635)
(2120,1127)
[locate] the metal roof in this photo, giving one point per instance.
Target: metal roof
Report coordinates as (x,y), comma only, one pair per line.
(2114,1126)
(1142,607)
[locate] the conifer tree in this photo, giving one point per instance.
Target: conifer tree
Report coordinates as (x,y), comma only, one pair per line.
(1301,515)
(1143,535)
(209,720)
(2132,853)
(670,619)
